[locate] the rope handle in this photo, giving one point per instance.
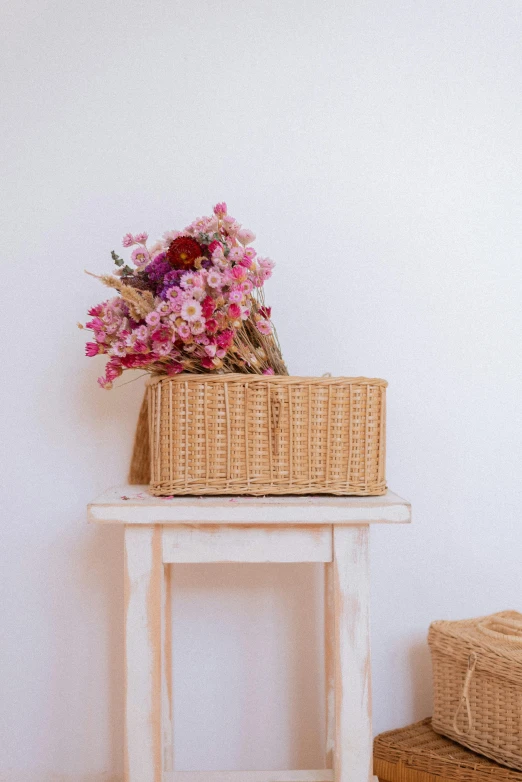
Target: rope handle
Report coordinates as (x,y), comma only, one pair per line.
(464,698)
(502,628)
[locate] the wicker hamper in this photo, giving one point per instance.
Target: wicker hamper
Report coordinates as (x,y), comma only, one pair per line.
(477,682)
(418,754)
(257,434)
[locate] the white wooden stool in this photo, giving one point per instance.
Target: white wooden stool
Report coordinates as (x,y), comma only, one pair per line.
(162,531)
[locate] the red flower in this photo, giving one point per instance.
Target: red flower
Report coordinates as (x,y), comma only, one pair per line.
(208,306)
(175,368)
(211,326)
(265,312)
(225,339)
(234,311)
(161,335)
(207,363)
(182,252)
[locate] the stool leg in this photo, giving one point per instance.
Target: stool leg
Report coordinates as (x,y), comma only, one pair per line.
(353,724)
(144,584)
(166,674)
(329,673)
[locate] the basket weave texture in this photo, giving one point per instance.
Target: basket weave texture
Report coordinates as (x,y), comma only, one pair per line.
(418,754)
(477,682)
(255,434)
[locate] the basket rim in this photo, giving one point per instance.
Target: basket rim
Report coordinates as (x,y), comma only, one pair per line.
(242,377)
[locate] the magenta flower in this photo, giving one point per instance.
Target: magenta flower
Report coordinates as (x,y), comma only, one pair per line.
(220,209)
(91,349)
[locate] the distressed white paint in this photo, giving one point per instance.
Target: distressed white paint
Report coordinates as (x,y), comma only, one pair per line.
(353,723)
(323,775)
(139,507)
(247,544)
(166,670)
(142,754)
(329,663)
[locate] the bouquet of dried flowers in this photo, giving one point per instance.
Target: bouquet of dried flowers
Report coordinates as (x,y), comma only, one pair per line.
(191,302)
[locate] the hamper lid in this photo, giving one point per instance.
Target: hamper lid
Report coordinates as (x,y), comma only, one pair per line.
(498,634)
(417,748)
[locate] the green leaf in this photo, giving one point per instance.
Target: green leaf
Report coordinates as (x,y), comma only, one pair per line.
(116,258)
(126,271)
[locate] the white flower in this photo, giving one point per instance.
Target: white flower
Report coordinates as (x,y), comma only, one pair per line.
(191,310)
(198,327)
(198,293)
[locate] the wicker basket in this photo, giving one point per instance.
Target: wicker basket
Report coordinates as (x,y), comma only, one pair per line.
(418,754)
(256,434)
(477,681)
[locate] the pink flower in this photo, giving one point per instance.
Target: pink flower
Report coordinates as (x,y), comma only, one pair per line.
(153,318)
(188,280)
(117,349)
(246,286)
(197,327)
(173,294)
(140,257)
(127,241)
(163,308)
(264,326)
(214,278)
(141,332)
(142,238)
(99,336)
(239,273)
(235,254)
(210,350)
(161,348)
(104,383)
(215,245)
(169,236)
(231,225)
(246,261)
(234,311)
(268,371)
(92,349)
(220,209)
(113,369)
(245,236)
(184,331)
(211,326)
(266,263)
(95,311)
(140,347)
(221,353)
(235,295)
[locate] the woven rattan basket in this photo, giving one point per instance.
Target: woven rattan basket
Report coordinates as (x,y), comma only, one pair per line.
(418,754)
(256,434)
(477,683)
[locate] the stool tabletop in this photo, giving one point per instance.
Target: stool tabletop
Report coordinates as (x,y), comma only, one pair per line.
(135,505)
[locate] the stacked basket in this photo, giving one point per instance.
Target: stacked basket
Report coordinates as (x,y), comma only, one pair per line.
(477,678)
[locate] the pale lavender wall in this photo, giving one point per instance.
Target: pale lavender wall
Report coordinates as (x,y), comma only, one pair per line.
(374,147)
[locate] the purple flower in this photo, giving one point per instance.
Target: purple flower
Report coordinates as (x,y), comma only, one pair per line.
(158,268)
